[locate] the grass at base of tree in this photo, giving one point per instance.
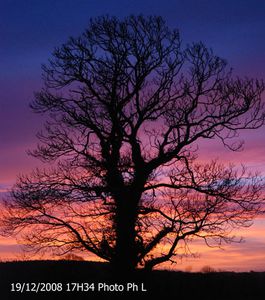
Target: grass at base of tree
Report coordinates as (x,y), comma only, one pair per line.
(169,284)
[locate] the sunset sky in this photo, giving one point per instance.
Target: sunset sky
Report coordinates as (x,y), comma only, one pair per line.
(29,31)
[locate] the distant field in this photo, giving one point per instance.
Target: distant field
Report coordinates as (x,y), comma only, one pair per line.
(37,279)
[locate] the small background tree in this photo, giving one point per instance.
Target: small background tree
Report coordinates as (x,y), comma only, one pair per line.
(126,106)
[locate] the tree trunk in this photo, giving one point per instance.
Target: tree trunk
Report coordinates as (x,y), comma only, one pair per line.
(125,257)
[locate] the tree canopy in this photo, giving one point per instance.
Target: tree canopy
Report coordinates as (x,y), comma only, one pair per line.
(126,105)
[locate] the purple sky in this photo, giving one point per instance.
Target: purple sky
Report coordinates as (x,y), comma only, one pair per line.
(30,29)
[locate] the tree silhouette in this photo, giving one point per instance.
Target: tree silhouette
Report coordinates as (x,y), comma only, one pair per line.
(126,106)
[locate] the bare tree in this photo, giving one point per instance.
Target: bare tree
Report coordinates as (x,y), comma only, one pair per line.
(126,106)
